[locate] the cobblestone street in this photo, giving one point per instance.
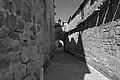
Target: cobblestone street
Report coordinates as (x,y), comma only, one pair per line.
(66,67)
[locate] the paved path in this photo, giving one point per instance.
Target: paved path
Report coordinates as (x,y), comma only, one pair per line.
(66,67)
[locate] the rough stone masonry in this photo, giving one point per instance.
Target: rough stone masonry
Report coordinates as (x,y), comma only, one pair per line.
(98,25)
(26,38)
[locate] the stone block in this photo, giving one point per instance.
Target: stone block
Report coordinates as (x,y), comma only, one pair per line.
(9,5)
(18,8)
(112,53)
(19,70)
(7,76)
(114,76)
(29,54)
(117,41)
(25,54)
(3,34)
(27,31)
(2,18)
(32,37)
(33,28)
(18,12)
(104,35)
(31,67)
(20,26)
(10,47)
(105,70)
(40,39)
(13,35)
(103,59)
(4,63)
(113,68)
(117,30)
(1,47)
(26,15)
(114,61)
(111,34)
(37,74)
(10,21)
(14,57)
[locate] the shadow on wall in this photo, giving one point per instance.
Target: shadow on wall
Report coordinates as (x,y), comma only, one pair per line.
(77,50)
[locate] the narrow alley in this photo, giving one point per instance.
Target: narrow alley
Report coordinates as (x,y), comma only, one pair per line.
(59,39)
(67,67)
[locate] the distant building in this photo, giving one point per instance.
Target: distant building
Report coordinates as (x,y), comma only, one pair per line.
(65,26)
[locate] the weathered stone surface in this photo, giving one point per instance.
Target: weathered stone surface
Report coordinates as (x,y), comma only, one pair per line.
(18,8)
(23,24)
(32,37)
(28,54)
(13,35)
(117,30)
(8,76)
(20,70)
(8,5)
(2,18)
(10,21)
(33,28)
(31,67)
(1,47)
(3,34)
(38,28)
(10,46)
(114,61)
(14,57)
(26,16)
(19,28)
(5,62)
(114,76)
(101,47)
(113,68)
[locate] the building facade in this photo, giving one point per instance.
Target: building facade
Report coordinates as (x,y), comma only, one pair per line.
(94,30)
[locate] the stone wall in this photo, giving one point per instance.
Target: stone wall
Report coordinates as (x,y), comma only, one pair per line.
(95,36)
(102,48)
(26,38)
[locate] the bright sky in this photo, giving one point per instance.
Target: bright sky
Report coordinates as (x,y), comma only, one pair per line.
(65,8)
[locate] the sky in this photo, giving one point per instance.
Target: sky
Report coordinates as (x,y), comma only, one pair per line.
(65,8)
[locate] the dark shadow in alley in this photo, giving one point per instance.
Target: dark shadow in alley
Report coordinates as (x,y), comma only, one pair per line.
(77,50)
(65,67)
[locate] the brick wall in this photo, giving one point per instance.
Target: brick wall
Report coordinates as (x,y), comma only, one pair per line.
(26,38)
(96,36)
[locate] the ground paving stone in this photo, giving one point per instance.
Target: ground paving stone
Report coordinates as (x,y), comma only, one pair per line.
(66,67)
